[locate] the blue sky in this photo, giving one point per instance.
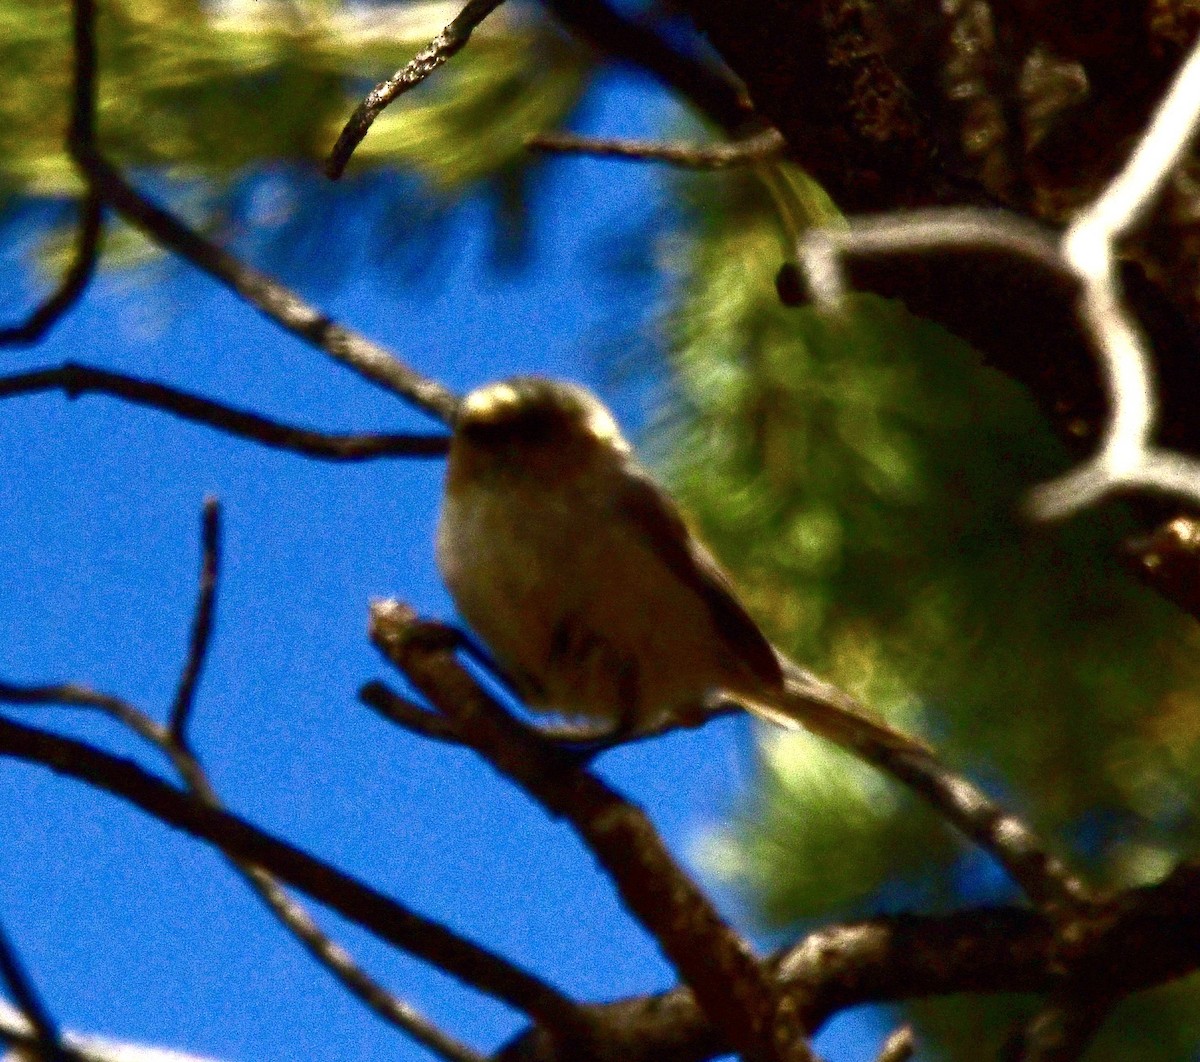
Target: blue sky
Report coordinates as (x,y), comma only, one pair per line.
(141,934)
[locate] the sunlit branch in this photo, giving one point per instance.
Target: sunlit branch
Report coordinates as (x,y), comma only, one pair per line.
(45,1033)
(74,380)
(687,156)
(202,621)
(1126,457)
(445,45)
(900,1046)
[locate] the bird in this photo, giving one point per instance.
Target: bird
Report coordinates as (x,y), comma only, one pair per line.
(589,590)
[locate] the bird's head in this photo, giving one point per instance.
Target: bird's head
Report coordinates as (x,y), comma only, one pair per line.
(534,423)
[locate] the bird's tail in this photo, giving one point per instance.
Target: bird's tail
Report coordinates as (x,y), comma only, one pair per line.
(829,712)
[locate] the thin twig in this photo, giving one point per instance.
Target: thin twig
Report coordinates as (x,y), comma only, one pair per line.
(732,986)
(47,1043)
(202,621)
(445,45)
(293,916)
(386,918)
(74,380)
(1045,879)
(274,300)
(765,145)
(74,280)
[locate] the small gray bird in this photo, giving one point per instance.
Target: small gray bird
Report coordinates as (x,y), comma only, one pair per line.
(581,577)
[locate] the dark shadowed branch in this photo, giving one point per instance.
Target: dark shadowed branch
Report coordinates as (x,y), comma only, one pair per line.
(1064,1028)
(1137,940)
(445,45)
(75,380)
(1045,878)
(171,741)
(202,621)
(91,208)
(1133,941)
(408,714)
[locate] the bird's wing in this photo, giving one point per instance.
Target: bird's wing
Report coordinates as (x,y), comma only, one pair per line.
(655,514)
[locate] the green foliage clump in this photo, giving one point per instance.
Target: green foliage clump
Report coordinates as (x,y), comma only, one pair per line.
(864,477)
(191,90)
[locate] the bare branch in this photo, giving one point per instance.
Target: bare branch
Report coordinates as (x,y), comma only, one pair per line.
(963,228)
(268,296)
(733,988)
(387,919)
(46,1037)
(405,713)
(1127,456)
(74,380)
(202,621)
(1141,938)
(445,45)
(274,300)
(765,145)
(77,695)
(74,281)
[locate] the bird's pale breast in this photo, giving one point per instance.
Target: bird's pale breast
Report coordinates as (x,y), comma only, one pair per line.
(578,608)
